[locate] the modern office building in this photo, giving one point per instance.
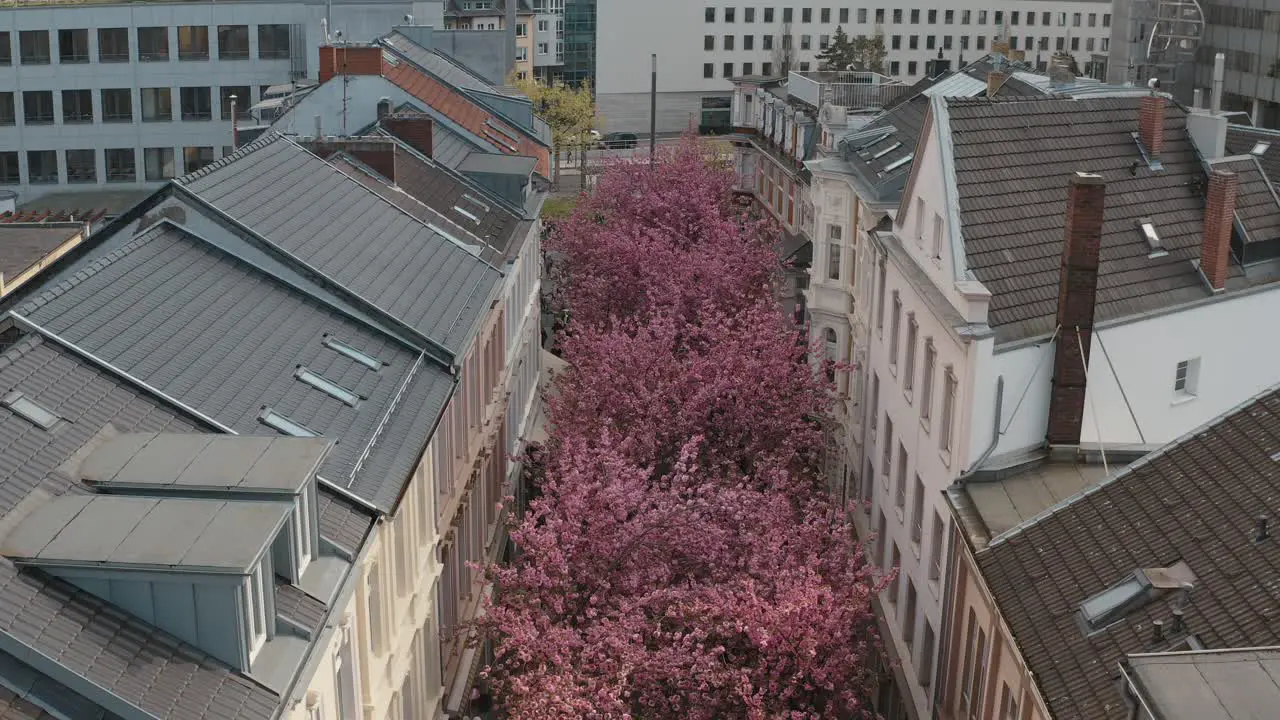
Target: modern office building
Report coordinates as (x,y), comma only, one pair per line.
(113,96)
(701,46)
(579,42)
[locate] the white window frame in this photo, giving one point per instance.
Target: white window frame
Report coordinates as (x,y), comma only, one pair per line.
(255,610)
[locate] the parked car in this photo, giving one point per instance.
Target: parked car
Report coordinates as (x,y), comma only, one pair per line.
(618,141)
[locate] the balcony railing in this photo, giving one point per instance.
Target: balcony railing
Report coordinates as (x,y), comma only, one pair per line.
(853,90)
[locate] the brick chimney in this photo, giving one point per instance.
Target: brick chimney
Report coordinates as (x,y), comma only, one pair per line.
(351,59)
(995,79)
(412,127)
(1151,124)
(1219,218)
(376,152)
(1077,294)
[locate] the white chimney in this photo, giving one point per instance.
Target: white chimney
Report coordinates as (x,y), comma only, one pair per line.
(1219,72)
(1197,98)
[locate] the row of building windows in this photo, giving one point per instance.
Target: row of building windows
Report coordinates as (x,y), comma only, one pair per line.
(118,165)
(152,43)
(1217,13)
(913,17)
(40,107)
(729,42)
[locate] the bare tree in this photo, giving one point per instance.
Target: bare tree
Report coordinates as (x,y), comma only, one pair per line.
(784,52)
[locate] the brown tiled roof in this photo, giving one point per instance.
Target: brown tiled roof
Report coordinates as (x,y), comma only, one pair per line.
(1257,207)
(467,112)
(1241,139)
(53,215)
(22,246)
(1195,501)
(1012,160)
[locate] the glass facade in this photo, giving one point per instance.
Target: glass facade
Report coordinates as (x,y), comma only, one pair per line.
(580,42)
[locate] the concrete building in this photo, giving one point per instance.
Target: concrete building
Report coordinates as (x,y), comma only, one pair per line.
(968,370)
(1129,592)
(493,15)
(30,242)
(701,47)
(116,96)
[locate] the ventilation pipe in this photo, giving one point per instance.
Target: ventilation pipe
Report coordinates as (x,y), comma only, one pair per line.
(1219,72)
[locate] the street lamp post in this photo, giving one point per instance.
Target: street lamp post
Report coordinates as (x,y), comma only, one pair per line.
(653,110)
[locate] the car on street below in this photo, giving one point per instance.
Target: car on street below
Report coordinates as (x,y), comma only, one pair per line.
(618,141)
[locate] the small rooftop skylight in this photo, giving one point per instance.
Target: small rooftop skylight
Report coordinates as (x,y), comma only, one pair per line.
(283,425)
(28,410)
(1153,238)
(474,201)
(466,214)
(326,386)
(501,130)
(1135,590)
(886,151)
(1260,148)
(342,348)
(898,163)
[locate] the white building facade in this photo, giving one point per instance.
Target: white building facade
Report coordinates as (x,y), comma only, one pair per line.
(106,96)
(702,46)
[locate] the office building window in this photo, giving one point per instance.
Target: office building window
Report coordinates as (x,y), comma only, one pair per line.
(824,41)
(728,70)
(37,107)
(153,44)
(766,42)
(117,105)
(244,99)
(120,165)
(915,17)
(825,14)
(193,42)
(844,15)
(768,15)
(748,43)
(729,15)
(747,68)
(197,103)
(788,14)
(77,106)
(6,49)
(897,17)
(82,166)
(157,104)
(8,109)
(806,15)
(766,69)
(806,42)
(73,46)
(708,42)
(709,15)
(42,167)
(273,41)
(113,44)
(9,172)
(894,67)
(708,70)
(194,158)
(728,42)
(748,15)
(804,66)
(158,163)
(233,42)
(33,47)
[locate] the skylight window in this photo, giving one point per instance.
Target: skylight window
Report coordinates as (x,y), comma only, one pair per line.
(1153,237)
(284,425)
(1108,605)
(886,151)
(501,130)
(898,163)
(1260,149)
(351,353)
(28,410)
(466,214)
(474,201)
(326,386)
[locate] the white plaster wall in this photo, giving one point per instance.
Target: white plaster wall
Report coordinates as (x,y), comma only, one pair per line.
(675,28)
(1236,358)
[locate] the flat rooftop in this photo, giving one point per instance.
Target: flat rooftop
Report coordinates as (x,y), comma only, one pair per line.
(23,246)
(1209,685)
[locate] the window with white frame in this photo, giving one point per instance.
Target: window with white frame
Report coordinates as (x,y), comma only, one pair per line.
(832,342)
(887,458)
(909,362)
(373,603)
(1186,378)
(948,408)
(833,260)
(937,236)
(304,530)
(875,400)
(926,381)
(895,328)
(255,610)
(935,548)
(909,616)
(919,219)
(917,512)
(1008,704)
(967,675)
(884,273)
(895,561)
(925,663)
(900,496)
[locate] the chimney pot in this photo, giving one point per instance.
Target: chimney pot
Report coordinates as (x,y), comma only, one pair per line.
(1077,293)
(1157,631)
(1151,124)
(1178,624)
(995,80)
(1261,532)
(1219,217)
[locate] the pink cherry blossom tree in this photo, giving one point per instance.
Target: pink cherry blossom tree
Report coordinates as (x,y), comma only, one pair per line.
(680,559)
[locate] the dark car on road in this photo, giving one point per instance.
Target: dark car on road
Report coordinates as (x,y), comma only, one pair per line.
(618,141)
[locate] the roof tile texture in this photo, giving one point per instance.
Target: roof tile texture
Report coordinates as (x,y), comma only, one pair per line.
(1196,502)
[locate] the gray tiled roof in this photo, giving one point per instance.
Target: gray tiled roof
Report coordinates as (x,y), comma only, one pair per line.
(1196,502)
(30,695)
(437,64)
(224,338)
(324,218)
(1012,161)
(1257,207)
(299,607)
(86,636)
(1241,139)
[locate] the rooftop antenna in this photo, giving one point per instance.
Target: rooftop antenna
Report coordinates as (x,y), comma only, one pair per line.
(346,80)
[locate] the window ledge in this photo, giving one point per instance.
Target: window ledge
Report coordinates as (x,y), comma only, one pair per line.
(946,457)
(909,394)
(1181,396)
(925,425)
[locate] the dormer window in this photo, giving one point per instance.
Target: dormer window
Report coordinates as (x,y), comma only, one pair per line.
(1260,149)
(29,410)
(1153,237)
(254,591)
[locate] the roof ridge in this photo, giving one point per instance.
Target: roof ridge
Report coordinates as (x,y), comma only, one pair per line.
(517,212)
(268,137)
(1143,461)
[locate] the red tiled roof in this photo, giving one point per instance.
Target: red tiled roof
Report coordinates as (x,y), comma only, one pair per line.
(36,216)
(467,113)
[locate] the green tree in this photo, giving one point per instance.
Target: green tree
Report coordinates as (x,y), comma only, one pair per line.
(839,55)
(569,111)
(869,52)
